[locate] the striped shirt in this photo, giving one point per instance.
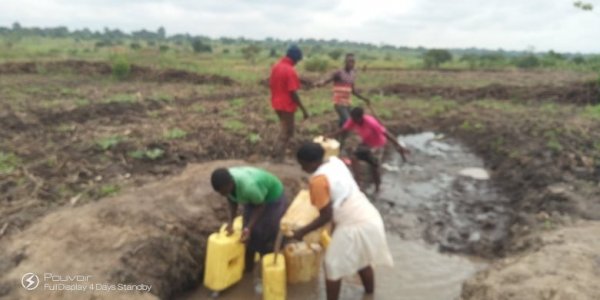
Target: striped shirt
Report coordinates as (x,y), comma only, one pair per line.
(342,87)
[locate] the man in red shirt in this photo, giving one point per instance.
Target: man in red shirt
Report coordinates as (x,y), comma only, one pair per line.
(285,101)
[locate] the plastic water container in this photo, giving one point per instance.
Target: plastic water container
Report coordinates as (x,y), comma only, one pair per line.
(224,265)
(325,239)
(274,277)
(302,261)
(331,146)
(300,213)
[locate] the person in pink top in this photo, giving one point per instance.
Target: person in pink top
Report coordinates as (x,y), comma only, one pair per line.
(374,137)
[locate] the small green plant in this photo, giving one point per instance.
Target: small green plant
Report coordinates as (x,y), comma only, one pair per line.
(175,133)
(254,138)
(151,154)
(237,103)
(163,48)
(164,97)
(8,162)
(234,125)
(155,153)
(121,68)
(108,190)
(82,102)
(108,142)
(199,108)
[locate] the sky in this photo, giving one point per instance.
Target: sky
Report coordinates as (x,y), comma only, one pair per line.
(538,25)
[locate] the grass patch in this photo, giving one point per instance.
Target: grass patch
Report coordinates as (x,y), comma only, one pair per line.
(8,162)
(164,97)
(122,98)
(592,111)
(108,142)
(151,154)
(237,103)
(82,102)
(108,190)
(199,108)
(254,138)
(175,133)
(234,125)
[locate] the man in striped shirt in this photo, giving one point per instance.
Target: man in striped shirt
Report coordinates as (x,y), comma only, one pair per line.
(343,89)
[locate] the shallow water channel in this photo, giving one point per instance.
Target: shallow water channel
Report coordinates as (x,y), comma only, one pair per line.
(440,200)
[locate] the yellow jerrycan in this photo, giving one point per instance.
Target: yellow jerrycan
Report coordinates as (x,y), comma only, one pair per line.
(224,265)
(325,239)
(273,276)
(331,146)
(302,261)
(300,213)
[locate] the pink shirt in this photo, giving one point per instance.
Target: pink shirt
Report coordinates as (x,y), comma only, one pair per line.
(371,131)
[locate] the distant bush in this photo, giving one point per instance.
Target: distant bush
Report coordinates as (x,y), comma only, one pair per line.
(120,68)
(250,52)
(135,46)
(528,61)
(226,51)
(103,43)
(151,43)
(578,60)
(435,57)
(335,54)
(273,53)
(200,47)
(316,64)
(163,48)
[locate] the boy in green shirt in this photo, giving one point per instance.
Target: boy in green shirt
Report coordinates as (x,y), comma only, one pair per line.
(261,193)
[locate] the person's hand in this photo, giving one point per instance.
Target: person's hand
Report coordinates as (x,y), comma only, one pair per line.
(229,229)
(402,150)
(298,235)
(245,235)
(305,113)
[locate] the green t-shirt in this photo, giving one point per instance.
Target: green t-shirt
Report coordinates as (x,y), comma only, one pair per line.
(255,186)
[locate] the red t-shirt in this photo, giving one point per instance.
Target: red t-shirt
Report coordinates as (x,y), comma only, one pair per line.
(283,81)
(371,131)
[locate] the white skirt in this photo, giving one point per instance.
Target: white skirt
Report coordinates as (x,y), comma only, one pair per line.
(358,240)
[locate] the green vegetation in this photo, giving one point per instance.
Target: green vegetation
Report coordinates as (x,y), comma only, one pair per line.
(435,57)
(8,162)
(120,68)
(316,64)
(175,133)
(151,154)
(592,111)
(234,125)
(107,143)
(108,190)
(122,98)
(254,138)
(199,108)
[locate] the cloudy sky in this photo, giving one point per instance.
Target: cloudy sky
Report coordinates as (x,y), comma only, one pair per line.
(492,24)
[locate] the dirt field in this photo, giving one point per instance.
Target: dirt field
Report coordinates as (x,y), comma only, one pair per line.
(71,136)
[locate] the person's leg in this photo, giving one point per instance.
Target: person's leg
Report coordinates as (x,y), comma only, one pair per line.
(332,287)
(250,250)
(367,276)
(286,121)
(343,112)
(373,162)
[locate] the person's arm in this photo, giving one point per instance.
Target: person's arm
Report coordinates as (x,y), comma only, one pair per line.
(257,213)
(296,99)
(402,150)
(325,215)
(335,133)
(359,96)
(232,213)
(331,78)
